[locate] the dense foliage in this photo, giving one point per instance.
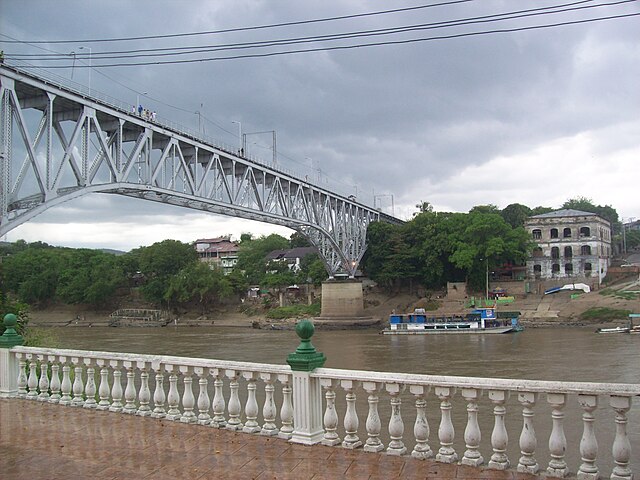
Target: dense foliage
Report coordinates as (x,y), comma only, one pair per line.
(436,247)
(168,274)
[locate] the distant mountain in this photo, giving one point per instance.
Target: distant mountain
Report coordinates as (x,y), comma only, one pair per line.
(110,250)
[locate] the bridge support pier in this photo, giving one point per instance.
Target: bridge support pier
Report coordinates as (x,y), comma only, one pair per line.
(343,304)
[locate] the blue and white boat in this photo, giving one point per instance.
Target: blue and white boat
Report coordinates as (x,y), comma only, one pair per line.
(480,320)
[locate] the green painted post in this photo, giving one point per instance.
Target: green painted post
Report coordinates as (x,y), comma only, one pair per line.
(307,393)
(305,358)
(10,337)
(8,363)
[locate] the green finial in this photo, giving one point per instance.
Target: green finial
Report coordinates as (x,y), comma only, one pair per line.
(305,358)
(10,338)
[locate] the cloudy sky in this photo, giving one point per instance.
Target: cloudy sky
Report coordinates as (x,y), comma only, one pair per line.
(460,115)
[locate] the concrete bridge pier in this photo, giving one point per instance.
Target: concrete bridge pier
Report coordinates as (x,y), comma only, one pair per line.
(343,304)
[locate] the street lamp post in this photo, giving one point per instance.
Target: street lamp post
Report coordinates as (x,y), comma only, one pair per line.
(87,48)
(240,139)
(383,195)
(486,282)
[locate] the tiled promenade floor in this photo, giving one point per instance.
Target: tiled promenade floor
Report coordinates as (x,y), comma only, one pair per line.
(43,441)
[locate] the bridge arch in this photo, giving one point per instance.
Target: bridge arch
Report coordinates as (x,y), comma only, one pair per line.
(92,144)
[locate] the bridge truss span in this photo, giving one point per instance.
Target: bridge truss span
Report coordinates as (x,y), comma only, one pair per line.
(58,143)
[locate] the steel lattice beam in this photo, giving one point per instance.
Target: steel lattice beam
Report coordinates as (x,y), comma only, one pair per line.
(82,144)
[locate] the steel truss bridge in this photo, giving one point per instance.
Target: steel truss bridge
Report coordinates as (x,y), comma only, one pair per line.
(59,142)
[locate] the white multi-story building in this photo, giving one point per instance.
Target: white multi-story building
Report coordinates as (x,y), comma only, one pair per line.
(571,244)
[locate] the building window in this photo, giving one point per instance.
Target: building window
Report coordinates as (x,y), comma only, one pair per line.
(555,252)
(554,233)
(587,269)
(555,268)
(537,270)
(585,232)
(568,252)
(568,268)
(537,234)
(537,252)
(585,250)
(566,233)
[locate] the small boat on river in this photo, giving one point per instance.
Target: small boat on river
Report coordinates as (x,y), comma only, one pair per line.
(613,330)
(480,320)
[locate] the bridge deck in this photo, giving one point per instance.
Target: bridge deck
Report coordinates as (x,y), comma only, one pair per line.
(38,440)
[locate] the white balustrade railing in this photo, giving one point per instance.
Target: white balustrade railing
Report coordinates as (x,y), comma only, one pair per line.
(399,414)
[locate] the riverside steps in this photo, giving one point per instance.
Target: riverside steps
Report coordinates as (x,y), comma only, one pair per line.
(207,418)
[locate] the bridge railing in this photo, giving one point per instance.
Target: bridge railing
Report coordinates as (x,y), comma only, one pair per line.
(505,423)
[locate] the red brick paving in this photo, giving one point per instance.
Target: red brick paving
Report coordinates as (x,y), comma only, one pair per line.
(39,440)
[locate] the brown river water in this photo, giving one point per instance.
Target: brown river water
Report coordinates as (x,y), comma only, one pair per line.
(556,354)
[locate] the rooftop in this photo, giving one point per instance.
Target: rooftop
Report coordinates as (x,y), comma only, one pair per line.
(566,212)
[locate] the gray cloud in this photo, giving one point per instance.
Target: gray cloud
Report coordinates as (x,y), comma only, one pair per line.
(393,119)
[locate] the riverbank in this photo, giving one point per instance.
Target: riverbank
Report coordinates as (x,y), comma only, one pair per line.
(557,310)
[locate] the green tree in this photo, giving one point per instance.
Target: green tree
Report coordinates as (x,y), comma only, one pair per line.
(490,208)
(298,240)
(515,214)
(199,284)
(252,256)
(90,276)
(541,210)
(278,277)
(312,269)
(585,204)
(159,262)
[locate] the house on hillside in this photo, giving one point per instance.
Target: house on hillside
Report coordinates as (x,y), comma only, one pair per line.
(219,251)
(292,257)
(571,245)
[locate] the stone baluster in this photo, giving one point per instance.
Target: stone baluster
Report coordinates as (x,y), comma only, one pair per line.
(43,382)
(65,386)
(286,411)
(557,440)
(621,446)
(421,450)
(159,396)
(528,441)
(351,422)
(373,423)
(55,379)
(32,381)
(116,389)
(22,375)
(269,411)
(446,432)
(218,404)
(588,443)
(330,417)
(173,398)
(235,408)
(144,396)
(251,406)
(130,390)
(90,387)
(472,434)
(396,425)
(203,396)
(103,388)
(499,436)
(188,399)
(78,385)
